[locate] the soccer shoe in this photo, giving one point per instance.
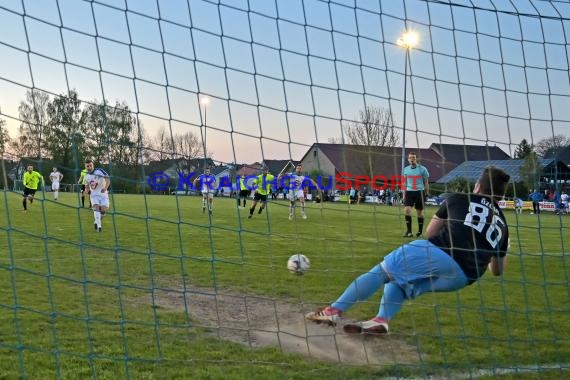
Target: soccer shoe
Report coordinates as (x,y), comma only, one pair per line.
(376,326)
(203,209)
(327,314)
(249,216)
(419,234)
(290,216)
(304,216)
(100,229)
(408,234)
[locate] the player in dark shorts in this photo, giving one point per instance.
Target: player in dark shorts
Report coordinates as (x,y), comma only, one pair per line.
(416,179)
(262,184)
(243,192)
(32,180)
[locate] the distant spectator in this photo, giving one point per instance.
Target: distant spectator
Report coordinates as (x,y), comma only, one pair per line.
(557,202)
(389,197)
(518,205)
(352,195)
(536,198)
(564,201)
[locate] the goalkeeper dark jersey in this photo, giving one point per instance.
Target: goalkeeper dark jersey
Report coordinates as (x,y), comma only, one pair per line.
(475,232)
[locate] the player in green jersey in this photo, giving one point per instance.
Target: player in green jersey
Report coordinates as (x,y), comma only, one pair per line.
(263,183)
(31,180)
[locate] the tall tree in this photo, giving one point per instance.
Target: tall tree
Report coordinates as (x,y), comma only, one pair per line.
(97,141)
(523,149)
(34,121)
(530,170)
(183,148)
(161,145)
(64,136)
(186,148)
(110,133)
(550,146)
(140,152)
(4,138)
(375,127)
(122,127)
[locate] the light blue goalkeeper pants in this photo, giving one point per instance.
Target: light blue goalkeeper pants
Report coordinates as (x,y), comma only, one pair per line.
(406,272)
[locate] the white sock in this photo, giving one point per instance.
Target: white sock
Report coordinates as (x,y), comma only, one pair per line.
(97,218)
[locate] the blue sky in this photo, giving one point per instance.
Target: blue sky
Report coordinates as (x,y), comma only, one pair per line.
(282,74)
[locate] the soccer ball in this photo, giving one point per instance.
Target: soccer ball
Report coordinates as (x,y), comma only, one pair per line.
(298,264)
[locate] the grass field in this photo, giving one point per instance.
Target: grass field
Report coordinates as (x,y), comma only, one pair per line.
(70,305)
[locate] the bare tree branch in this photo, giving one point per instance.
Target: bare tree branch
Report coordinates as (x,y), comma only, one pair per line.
(550,146)
(375,127)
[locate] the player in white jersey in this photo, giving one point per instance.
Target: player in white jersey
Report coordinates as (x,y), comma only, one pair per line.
(205,183)
(296,180)
(55,177)
(564,198)
(98,182)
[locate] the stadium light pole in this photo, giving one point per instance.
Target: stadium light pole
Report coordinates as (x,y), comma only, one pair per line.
(204,101)
(408,41)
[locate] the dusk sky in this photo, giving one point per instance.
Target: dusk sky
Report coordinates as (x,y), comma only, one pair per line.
(282,74)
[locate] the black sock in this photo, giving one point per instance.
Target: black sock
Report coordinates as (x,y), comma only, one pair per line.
(251,210)
(420,224)
(24,204)
(82,201)
(409,223)
(244,203)
(260,210)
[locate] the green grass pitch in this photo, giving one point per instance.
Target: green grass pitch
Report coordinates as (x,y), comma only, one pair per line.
(70,300)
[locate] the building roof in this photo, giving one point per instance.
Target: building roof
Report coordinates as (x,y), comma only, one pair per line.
(460,153)
(217,170)
(277,166)
(471,170)
(194,164)
(376,160)
(562,154)
(248,169)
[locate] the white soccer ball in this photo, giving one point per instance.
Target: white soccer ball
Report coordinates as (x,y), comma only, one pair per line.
(298,264)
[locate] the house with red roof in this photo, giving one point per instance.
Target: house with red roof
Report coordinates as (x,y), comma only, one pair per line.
(331,159)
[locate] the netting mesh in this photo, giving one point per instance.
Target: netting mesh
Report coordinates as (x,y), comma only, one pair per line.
(156,91)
